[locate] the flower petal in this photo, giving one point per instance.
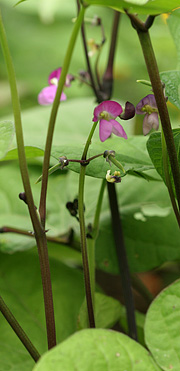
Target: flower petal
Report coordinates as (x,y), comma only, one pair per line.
(148,100)
(117,129)
(47,95)
(150,121)
(110,106)
(105,129)
(55,74)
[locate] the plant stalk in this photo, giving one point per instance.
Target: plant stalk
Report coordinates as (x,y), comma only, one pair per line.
(122,260)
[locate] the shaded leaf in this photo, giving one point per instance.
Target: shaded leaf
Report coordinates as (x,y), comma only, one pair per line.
(107,312)
(21,289)
(172,84)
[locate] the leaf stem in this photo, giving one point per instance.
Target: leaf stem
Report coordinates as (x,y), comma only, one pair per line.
(122,260)
(38,229)
(88,289)
(18,330)
(56,103)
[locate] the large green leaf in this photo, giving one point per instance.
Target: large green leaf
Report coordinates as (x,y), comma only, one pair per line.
(144,208)
(154,147)
(138,6)
(131,153)
(97,349)
(6,136)
(162,328)
(21,289)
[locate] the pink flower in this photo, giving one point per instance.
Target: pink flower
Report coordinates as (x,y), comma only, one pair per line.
(47,95)
(106,112)
(148,107)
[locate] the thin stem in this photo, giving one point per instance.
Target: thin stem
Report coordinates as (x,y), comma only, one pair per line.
(168,179)
(18,330)
(107,84)
(38,229)
(95,90)
(64,239)
(56,103)
(89,293)
(122,260)
(160,99)
(92,239)
(84,248)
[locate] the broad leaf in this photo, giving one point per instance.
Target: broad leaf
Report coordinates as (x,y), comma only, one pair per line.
(154,147)
(144,208)
(138,6)
(21,289)
(162,328)
(97,349)
(6,136)
(130,153)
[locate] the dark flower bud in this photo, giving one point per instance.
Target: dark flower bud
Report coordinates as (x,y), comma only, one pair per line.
(22,197)
(129,111)
(107,154)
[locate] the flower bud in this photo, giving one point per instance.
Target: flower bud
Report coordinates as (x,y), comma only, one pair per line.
(129,111)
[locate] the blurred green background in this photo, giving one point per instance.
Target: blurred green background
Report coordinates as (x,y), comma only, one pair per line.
(38,32)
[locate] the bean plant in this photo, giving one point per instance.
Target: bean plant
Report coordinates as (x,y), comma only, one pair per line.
(90,195)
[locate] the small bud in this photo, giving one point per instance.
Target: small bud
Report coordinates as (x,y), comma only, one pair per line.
(115,178)
(107,154)
(129,111)
(22,197)
(63,161)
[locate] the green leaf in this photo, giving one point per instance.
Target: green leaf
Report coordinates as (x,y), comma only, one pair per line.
(30,151)
(155,151)
(162,333)
(6,136)
(97,349)
(171,80)
(107,312)
(138,6)
(21,289)
(130,153)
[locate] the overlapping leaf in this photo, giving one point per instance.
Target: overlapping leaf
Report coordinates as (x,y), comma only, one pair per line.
(162,328)
(97,349)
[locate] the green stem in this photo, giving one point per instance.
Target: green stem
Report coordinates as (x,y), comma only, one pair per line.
(18,330)
(56,103)
(92,239)
(88,289)
(161,104)
(167,177)
(89,298)
(116,163)
(38,229)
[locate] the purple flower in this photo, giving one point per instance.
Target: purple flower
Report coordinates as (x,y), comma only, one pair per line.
(148,107)
(47,95)
(106,112)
